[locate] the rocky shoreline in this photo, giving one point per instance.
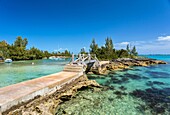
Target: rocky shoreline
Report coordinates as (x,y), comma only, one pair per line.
(124,63)
(48,105)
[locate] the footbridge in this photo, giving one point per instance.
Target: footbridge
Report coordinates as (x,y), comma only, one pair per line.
(82,62)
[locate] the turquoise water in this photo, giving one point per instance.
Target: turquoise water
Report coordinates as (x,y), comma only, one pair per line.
(140,91)
(11,73)
(159,57)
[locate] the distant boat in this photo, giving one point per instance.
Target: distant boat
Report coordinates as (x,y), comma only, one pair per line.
(52,57)
(8,61)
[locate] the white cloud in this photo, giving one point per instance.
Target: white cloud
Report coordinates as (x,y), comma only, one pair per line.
(148,47)
(124,43)
(121,45)
(164,38)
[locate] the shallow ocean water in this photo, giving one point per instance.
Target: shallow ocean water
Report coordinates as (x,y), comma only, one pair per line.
(11,73)
(139,91)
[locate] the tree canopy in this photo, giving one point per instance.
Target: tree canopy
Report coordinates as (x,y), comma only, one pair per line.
(83,51)
(93,47)
(19,42)
(18,51)
(108,52)
(134,52)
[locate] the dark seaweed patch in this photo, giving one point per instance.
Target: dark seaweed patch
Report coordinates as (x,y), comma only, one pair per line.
(135,70)
(111,88)
(107,83)
(107,87)
(156,83)
(158,74)
(125,79)
(119,81)
(114,79)
(110,99)
(157,99)
(122,88)
(132,76)
(151,83)
(120,94)
(112,72)
(95,77)
(110,75)
(142,108)
(118,75)
(145,77)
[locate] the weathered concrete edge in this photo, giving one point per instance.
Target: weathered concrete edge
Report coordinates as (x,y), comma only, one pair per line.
(42,92)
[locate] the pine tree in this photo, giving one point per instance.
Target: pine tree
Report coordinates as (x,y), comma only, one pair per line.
(134,52)
(82,51)
(93,47)
(127,48)
(109,48)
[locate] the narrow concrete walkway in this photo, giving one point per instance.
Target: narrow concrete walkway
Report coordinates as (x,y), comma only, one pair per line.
(24,91)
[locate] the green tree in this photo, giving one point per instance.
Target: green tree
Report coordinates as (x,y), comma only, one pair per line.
(47,54)
(122,53)
(35,53)
(134,52)
(93,47)
(109,53)
(101,53)
(127,48)
(82,51)
(109,43)
(67,53)
(18,50)
(4,49)
(19,42)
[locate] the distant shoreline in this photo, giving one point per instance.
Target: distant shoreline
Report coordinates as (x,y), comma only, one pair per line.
(63,57)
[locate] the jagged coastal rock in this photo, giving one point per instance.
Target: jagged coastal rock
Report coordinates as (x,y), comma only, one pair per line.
(48,105)
(125,63)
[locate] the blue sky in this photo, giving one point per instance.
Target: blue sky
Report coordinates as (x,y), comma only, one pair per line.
(71,24)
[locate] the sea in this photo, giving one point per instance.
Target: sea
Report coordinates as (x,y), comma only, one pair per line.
(18,71)
(135,91)
(138,91)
